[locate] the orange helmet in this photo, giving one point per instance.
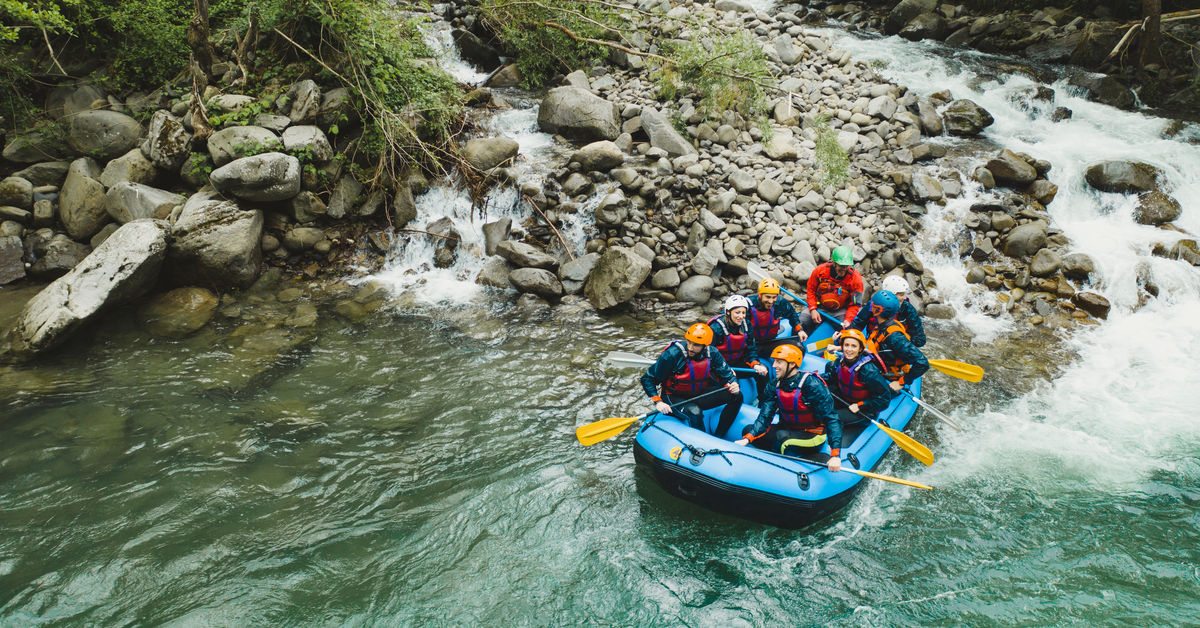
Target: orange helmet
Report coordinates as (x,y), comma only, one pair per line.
(768,286)
(789,353)
(857,335)
(700,334)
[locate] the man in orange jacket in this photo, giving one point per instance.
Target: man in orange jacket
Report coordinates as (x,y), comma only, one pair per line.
(835,287)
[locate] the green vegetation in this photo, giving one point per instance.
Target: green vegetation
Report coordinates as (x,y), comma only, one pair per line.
(729,74)
(551,36)
(830,157)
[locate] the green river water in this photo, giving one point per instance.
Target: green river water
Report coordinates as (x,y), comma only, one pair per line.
(420,469)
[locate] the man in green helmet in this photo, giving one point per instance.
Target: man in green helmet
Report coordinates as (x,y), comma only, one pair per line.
(835,288)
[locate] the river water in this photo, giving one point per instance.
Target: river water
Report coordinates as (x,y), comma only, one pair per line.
(420,468)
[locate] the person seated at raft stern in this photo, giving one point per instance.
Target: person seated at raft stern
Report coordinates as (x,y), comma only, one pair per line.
(685,370)
(767,310)
(906,315)
(733,337)
(834,287)
(860,391)
(807,419)
(903,362)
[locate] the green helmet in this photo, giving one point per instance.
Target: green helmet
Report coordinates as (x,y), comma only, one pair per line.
(843,256)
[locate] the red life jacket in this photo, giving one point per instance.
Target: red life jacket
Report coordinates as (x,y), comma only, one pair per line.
(764,323)
(894,368)
(854,390)
(793,413)
(692,379)
(733,348)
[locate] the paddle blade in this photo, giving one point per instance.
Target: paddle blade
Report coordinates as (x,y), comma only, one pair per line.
(755,271)
(907,443)
(593,433)
(623,358)
(961,370)
(818,345)
(887,478)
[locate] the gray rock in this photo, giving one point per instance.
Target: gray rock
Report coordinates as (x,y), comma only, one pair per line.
(272,122)
(127,202)
(306,207)
(695,289)
(36,145)
(521,255)
(711,222)
(132,167)
(45,173)
(770,190)
(1007,167)
(576,184)
(60,255)
(1025,240)
(306,102)
(812,201)
(1042,191)
(1123,176)
(537,281)
(494,233)
(1045,263)
(308,138)
(229,103)
(926,188)
(939,311)
(615,279)
(103,235)
(12,263)
(44,213)
(345,195)
(15,214)
(404,206)
(195,169)
(925,26)
(494,274)
(743,182)
(336,108)
(904,12)
(266,177)
(232,143)
(578,269)
(180,312)
(167,141)
(1156,208)
(612,210)
(1092,303)
(1077,266)
(663,135)
(475,50)
(578,114)
(66,100)
(16,192)
(120,269)
(720,202)
(782,147)
(665,279)
(964,117)
(81,206)
(733,5)
(103,134)
(215,243)
(931,122)
(300,239)
(599,156)
(507,76)
(486,153)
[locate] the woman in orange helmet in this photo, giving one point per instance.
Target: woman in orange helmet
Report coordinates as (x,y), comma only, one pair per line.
(690,368)
(807,419)
(860,391)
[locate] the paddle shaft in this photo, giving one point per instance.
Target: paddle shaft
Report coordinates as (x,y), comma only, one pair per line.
(932,410)
(865,474)
(902,440)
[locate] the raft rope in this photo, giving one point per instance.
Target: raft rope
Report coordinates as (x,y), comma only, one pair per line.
(697,452)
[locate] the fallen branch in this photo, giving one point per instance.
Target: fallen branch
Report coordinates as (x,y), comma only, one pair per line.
(566,247)
(52,55)
(436,235)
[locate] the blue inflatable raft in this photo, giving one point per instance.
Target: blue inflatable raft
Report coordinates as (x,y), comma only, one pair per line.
(758,485)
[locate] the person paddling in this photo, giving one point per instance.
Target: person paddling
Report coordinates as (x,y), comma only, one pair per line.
(860,391)
(807,418)
(735,340)
(906,315)
(886,337)
(767,311)
(835,287)
(690,368)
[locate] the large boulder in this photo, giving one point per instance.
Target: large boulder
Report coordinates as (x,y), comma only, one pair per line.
(36,145)
(127,202)
(520,254)
(305,99)
(964,117)
(599,156)
(1025,240)
(1092,303)
(663,135)
(231,143)
(1008,168)
(12,262)
(537,281)
(904,12)
(45,173)
(1156,208)
(310,139)
(475,50)
(925,26)
(1077,266)
(576,271)
(695,289)
(1122,176)
(103,134)
(81,205)
(120,269)
(67,100)
(179,312)
(618,274)
(132,166)
(579,114)
(215,243)
(486,153)
(266,177)
(167,141)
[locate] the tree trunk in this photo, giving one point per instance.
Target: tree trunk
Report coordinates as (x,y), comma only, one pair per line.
(1150,43)
(197,38)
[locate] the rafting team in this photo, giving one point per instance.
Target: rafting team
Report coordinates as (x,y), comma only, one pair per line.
(879,355)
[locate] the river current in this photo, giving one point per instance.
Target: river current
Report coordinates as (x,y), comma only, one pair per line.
(420,467)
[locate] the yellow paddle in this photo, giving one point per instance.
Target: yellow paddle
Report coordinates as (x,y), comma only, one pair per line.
(961,370)
(867,474)
(593,433)
(903,441)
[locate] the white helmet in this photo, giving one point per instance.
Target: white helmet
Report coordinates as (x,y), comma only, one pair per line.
(894,284)
(735,301)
